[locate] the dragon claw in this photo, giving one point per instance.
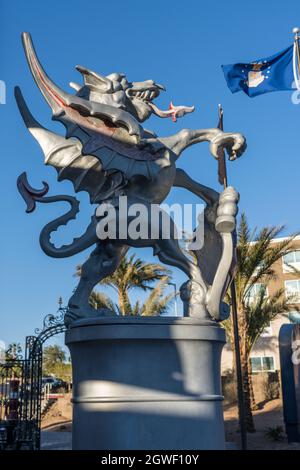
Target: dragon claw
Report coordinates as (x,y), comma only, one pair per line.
(233,143)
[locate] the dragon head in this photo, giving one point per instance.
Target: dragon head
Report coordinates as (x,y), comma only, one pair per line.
(111,98)
(115,90)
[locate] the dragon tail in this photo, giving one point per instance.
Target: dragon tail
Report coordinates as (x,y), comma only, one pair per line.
(31,196)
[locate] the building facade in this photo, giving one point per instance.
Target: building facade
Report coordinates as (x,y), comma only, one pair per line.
(265,353)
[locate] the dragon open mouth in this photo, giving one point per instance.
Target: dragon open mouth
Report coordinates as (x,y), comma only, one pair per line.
(144,92)
(146,95)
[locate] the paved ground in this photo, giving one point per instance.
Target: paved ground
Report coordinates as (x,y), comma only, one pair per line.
(59,433)
(56,440)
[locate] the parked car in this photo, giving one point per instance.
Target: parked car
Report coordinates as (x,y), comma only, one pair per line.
(47,383)
(59,385)
(53,384)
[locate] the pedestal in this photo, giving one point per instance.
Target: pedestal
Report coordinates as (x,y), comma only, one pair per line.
(146,383)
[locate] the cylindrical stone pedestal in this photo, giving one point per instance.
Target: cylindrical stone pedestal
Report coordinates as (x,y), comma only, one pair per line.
(146,383)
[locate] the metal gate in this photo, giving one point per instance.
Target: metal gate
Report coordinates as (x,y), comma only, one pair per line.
(21,389)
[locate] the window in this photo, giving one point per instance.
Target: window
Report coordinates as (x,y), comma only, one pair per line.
(291,260)
(292,290)
(255,290)
(262,364)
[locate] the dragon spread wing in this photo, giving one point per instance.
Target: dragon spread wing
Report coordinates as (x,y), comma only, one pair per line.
(92,162)
(99,153)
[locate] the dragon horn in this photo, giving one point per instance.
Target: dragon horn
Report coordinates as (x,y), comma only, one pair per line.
(55,97)
(95,81)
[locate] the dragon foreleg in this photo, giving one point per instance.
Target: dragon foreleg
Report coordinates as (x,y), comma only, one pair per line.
(31,196)
(234,143)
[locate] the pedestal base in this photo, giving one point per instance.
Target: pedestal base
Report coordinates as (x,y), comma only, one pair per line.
(146,383)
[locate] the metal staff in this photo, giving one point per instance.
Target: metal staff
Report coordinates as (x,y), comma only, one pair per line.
(222,176)
(296,42)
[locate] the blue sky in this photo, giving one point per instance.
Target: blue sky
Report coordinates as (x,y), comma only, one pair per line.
(179,44)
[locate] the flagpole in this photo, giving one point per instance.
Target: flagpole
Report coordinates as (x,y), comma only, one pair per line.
(222,170)
(222,174)
(296,42)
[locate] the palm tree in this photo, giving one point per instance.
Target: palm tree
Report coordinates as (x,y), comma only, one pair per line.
(256,256)
(99,300)
(12,354)
(156,303)
(132,273)
(13,351)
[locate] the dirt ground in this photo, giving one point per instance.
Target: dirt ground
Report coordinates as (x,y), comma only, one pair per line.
(59,418)
(268,416)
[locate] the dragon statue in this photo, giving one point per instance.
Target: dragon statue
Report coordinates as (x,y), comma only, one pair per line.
(108,153)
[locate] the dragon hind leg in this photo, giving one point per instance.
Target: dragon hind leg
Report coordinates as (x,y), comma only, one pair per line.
(169,252)
(102,262)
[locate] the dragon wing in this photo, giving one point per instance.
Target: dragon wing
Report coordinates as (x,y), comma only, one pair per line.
(94,167)
(99,152)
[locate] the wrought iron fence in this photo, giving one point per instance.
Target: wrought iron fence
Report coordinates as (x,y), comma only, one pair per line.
(19,395)
(21,389)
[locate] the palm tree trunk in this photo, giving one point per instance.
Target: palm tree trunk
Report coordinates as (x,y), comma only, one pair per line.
(252,396)
(247,395)
(247,390)
(246,376)
(121,302)
(124,302)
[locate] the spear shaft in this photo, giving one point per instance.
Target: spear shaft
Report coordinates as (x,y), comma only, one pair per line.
(222,176)
(296,41)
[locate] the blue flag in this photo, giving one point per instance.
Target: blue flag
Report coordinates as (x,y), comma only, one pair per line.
(273,73)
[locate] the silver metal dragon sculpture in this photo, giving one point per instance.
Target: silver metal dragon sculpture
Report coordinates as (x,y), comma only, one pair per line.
(108,153)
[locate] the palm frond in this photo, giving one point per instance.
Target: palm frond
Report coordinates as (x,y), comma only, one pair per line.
(133,273)
(261,312)
(257,255)
(156,303)
(99,300)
